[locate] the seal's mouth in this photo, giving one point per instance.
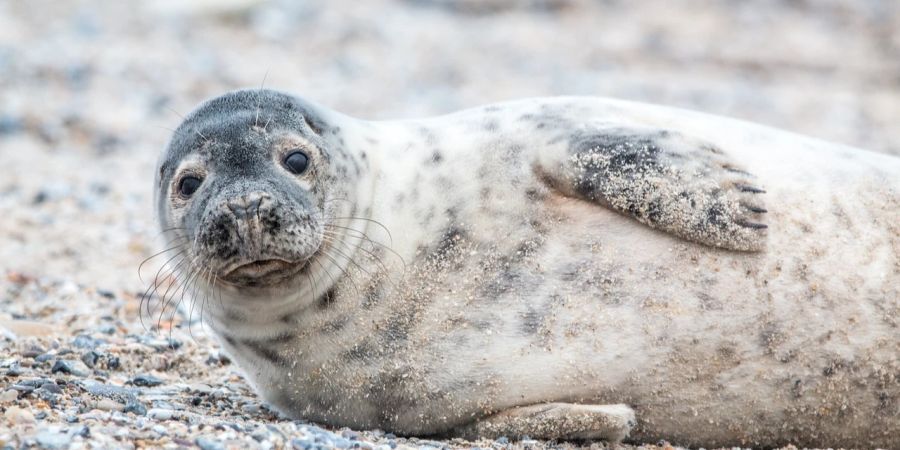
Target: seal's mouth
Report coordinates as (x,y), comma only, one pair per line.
(262,271)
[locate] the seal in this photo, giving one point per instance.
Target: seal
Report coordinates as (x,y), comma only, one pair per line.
(559,268)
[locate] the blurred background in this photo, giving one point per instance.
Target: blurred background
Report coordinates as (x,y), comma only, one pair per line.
(90,91)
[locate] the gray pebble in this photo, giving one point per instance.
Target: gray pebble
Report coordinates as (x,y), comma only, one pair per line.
(51,387)
(135,407)
(87,342)
(76,368)
(146,380)
(108,390)
(53,440)
(208,444)
(160,414)
(89,358)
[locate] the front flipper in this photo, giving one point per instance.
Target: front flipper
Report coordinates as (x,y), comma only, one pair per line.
(664,179)
(555,421)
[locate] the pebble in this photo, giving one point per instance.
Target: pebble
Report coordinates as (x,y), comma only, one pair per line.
(24,328)
(14,414)
(51,387)
(146,380)
(109,405)
(200,388)
(76,368)
(250,408)
(135,407)
(9,396)
(209,444)
(53,440)
(87,342)
(14,370)
(160,414)
(108,390)
(89,358)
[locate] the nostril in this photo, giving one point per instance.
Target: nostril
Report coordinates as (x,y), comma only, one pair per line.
(253,205)
(243,207)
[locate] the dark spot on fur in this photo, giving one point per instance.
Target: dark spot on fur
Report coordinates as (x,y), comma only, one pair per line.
(336,325)
(372,295)
(359,351)
(327,298)
(534,194)
(316,128)
(397,328)
(531,321)
(262,350)
(436,157)
(717,215)
(450,238)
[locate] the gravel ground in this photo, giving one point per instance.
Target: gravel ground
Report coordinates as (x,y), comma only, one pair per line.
(90,91)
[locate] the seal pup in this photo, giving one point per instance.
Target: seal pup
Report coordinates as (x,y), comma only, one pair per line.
(561,268)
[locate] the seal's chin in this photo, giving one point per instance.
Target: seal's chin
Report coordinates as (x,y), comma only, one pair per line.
(262,272)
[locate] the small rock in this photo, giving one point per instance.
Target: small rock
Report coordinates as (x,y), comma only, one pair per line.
(83,431)
(208,444)
(23,328)
(160,345)
(33,351)
(250,408)
(44,358)
(76,368)
(14,414)
(23,388)
(9,396)
(53,440)
(200,388)
(146,380)
(135,407)
(108,390)
(14,370)
(87,342)
(51,387)
(89,358)
(160,414)
(109,405)
(112,363)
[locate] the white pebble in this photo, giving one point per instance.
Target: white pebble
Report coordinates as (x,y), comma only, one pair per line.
(18,415)
(160,413)
(9,396)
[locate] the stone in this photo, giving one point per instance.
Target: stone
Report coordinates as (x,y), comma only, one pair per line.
(17,415)
(76,368)
(53,440)
(146,381)
(9,396)
(209,444)
(160,414)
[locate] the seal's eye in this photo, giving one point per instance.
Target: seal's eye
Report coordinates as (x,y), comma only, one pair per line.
(296,161)
(189,185)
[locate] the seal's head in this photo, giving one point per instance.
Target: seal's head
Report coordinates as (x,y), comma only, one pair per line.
(243,186)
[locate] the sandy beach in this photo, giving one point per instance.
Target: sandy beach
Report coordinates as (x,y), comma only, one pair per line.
(90,91)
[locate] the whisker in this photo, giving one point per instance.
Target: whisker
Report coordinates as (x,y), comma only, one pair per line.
(146,260)
(148,294)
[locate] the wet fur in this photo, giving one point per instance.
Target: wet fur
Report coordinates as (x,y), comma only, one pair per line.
(504,282)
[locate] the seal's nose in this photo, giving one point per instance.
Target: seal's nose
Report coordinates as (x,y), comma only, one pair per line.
(246,206)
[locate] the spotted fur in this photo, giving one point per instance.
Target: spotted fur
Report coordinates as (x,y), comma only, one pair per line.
(464,270)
